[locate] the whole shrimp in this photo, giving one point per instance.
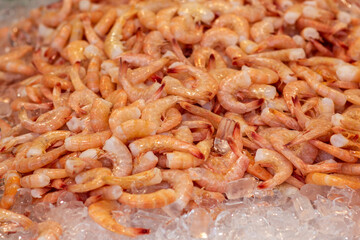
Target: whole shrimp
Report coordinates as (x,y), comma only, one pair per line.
(12,184)
(282,167)
(101,213)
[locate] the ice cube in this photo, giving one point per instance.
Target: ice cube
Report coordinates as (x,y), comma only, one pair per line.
(243,187)
(303,207)
(311,191)
(198,220)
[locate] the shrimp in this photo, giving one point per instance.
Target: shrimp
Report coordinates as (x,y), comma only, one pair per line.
(12,184)
(52,173)
(77,30)
(297,89)
(185,30)
(160,143)
(152,44)
(280,41)
(212,117)
(284,72)
(50,81)
(89,180)
(342,154)
(338,180)
(99,114)
(143,179)
(282,167)
(54,18)
(217,181)
(206,85)
(41,143)
(49,230)
(227,90)
(74,166)
(49,121)
(118,98)
(101,213)
(91,35)
(120,156)
(92,77)
(332,28)
(45,68)
(154,110)
(108,192)
(181,160)
(105,23)
(144,162)
(7,143)
(81,98)
(314,81)
(17,66)
(163,19)
(141,74)
(179,197)
(35,181)
(198,11)
(353,96)
(135,93)
(19,219)
(237,23)
(285,55)
(203,56)
(134,128)
(113,47)
(261,30)
(106,87)
(74,51)
(83,142)
(219,37)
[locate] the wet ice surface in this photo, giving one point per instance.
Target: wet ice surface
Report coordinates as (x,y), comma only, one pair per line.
(284,213)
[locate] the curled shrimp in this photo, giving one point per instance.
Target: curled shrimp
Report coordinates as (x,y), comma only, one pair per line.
(338,180)
(141,74)
(181,160)
(185,30)
(161,143)
(198,11)
(19,219)
(12,184)
(227,89)
(81,98)
(120,157)
(144,162)
(53,19)
(41,143)
(154,110)
(92,77)
(206,85)
(163,19)
(99,114)
(219,37)
(49,121)
(277,41)
(282,167)
(135,93)
(284,72)
(314,81)
(152,44)
(142,179)
(297,89)
(113,47)
(49,230)
(24,165)
(101,213)
(203,57)
(83,142)
(235,22)
(106,87)
(91,35)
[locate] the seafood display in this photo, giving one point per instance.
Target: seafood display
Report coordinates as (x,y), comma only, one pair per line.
(168,104)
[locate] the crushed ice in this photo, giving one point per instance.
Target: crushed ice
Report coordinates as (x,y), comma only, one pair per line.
(314,212)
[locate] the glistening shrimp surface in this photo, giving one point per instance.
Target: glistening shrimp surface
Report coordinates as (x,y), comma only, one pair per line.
(160,119)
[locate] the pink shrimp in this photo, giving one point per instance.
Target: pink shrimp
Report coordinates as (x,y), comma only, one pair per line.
(54,18)
(83,142)
(12,184)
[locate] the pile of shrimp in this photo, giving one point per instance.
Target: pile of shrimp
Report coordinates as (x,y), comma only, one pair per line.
(162,104)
